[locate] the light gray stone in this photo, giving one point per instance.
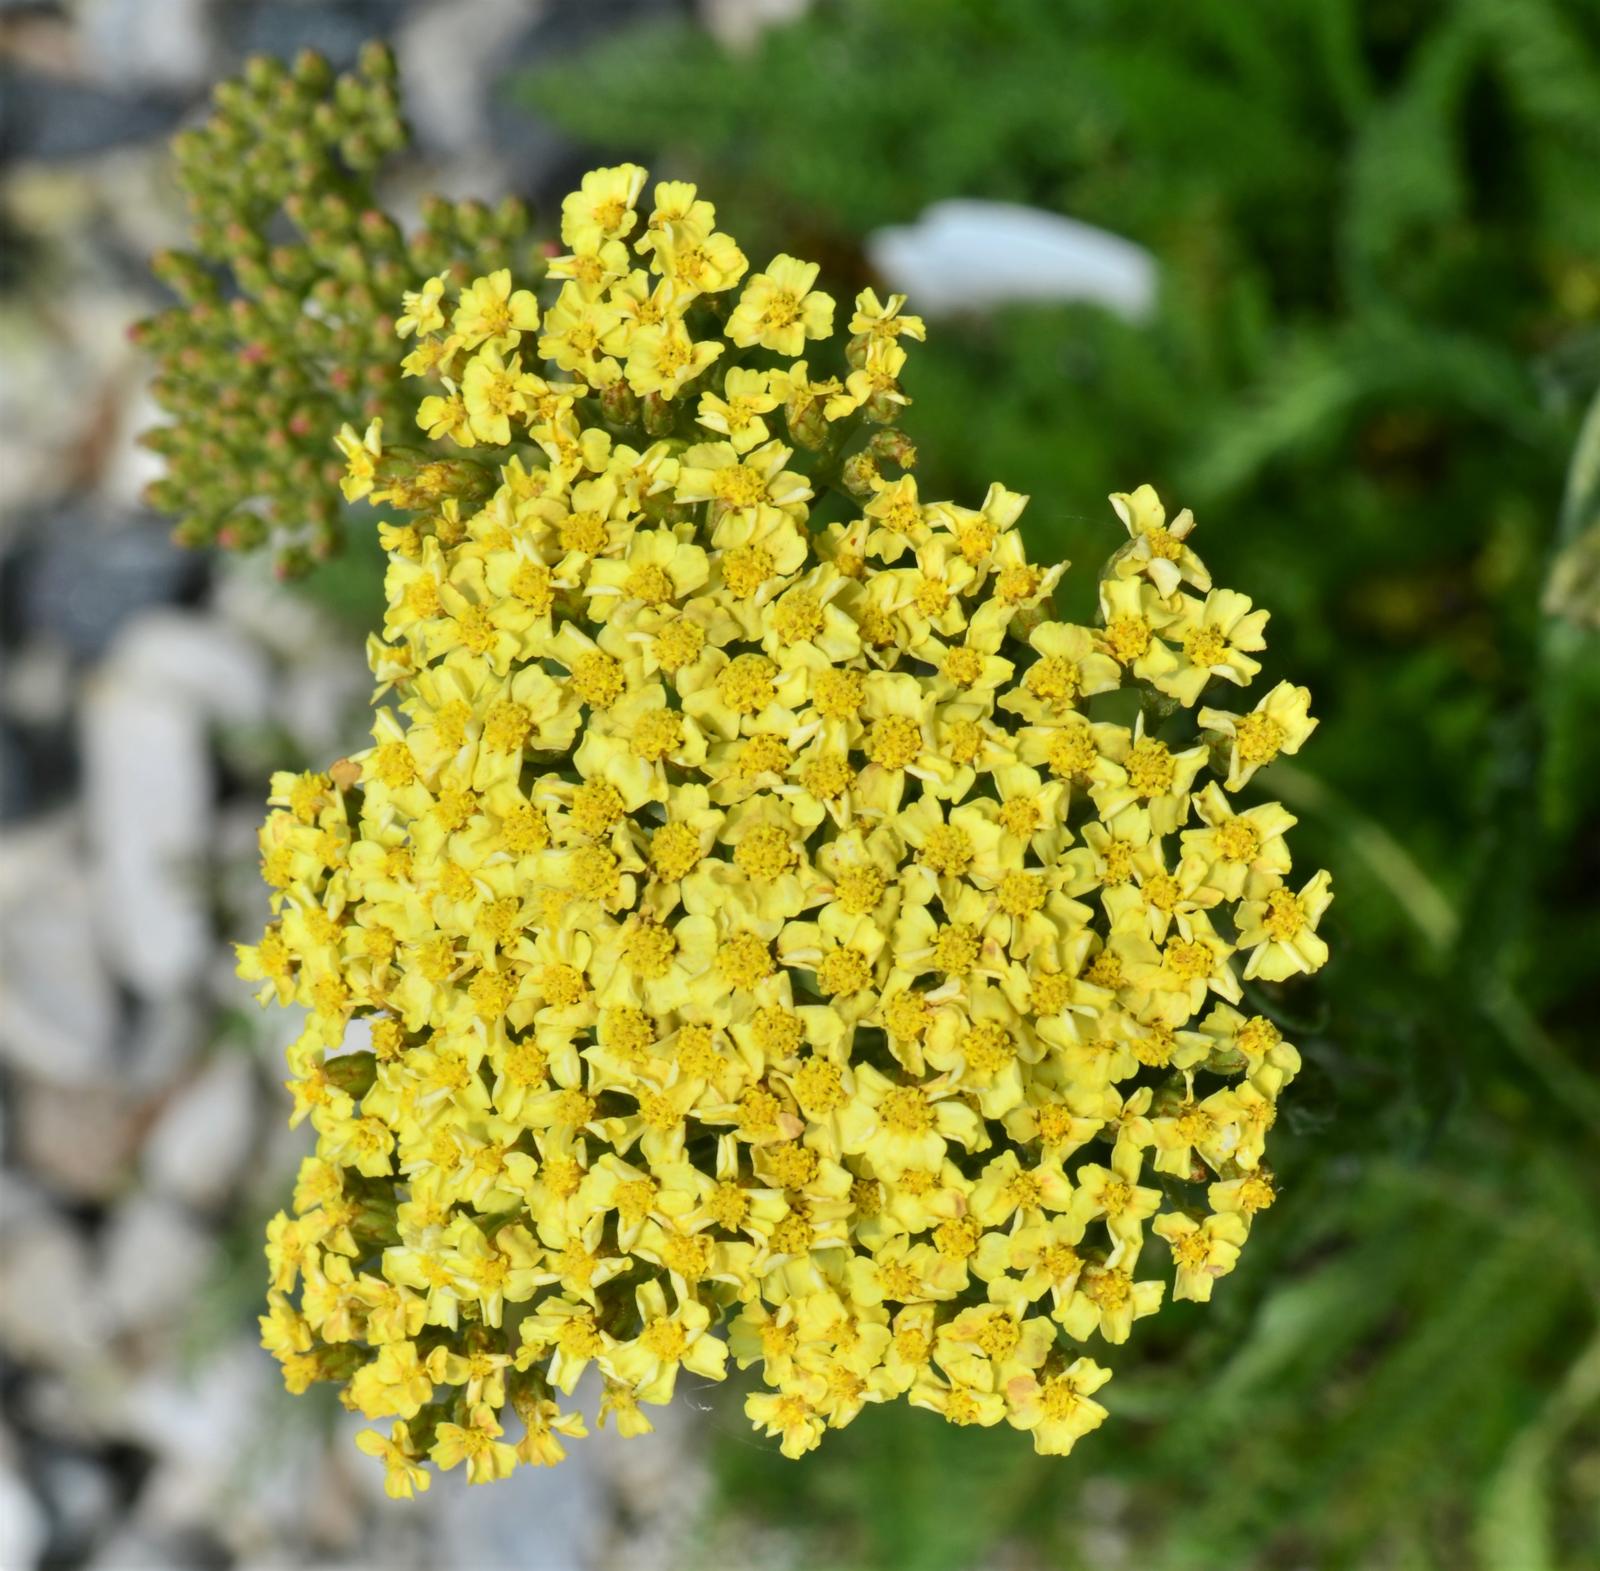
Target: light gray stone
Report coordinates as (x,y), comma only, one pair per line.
(445,66)
(37,682)
(24,1528)
(42,397)
(199,658)
(739,24)
(205,1425)
(133,1549)
(164,1036)
(204,1138)
(161,44)
(79,1140)
(83,1501)
(134,188)
(278,620)
(148,787)
(660,1485)
(323,705)
(58,1008)
(156,1258)
(49,1303)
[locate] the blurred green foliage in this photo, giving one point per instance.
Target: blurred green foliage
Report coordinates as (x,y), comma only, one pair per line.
(1378,226)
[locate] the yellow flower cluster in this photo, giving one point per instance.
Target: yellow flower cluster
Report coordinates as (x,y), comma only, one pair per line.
(761,913)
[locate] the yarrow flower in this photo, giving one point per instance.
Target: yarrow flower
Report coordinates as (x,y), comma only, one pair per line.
(760,930)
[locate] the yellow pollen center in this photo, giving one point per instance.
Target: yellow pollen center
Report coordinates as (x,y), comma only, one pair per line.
(679,643)
(859,889)
(905,1110)
(597,679)
(1127,637)
(1285,916)
(1259,738)
(1238,841)
(1190,959)
(1205,646)
(1151,768)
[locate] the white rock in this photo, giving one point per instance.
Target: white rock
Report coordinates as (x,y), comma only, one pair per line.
(147,790)
(59,1018)
(321,695)
(740,23)
(301,1474)
(274,617)
(21,1201)
(75,1406)
(199,658)
(37,681)
(569,1503)
(24,1530)
(131,1549)
(66,373)
(43,396)
(966,254)
(79,1140)
(324,706)
(156,1258)
(165,1035)
(147,43)
(205,1426)
(82,1495)
(128,465)
(445,65)
(49,1302)
(660,1488)
(140,200)
(204,1138)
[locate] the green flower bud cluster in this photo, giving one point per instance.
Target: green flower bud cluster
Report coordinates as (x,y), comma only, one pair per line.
(284,325)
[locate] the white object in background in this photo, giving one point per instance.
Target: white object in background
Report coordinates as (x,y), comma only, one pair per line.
(24,1528)
(966,254)
(739,24)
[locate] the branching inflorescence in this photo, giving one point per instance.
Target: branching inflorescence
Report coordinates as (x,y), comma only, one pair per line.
(761,913)
(284,321)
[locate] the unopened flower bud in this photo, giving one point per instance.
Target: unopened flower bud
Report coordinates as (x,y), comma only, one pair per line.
(893,447)
(859,475)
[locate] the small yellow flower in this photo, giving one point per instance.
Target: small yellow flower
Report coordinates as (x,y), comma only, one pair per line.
(575,328)
(420,310)
(361,455)
(404,1476)
(602,208)
(779,310)
(1202,1251)
(736,412)
(1156,549)
(493,393)
(885,319)
(1280,930)
(478,1444)
(1057,1406)
(663,357)
(490,310)
(1280,723)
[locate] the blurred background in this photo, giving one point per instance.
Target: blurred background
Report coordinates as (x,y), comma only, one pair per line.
(1327,272)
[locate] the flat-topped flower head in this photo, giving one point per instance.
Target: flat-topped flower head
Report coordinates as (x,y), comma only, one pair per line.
(763,924)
